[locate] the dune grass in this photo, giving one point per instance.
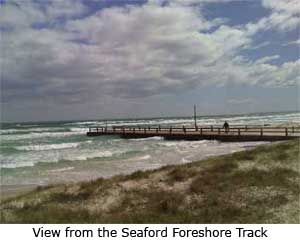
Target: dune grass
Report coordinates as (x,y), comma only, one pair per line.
(252,186)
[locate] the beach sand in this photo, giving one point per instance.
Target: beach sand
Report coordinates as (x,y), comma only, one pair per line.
(8,191)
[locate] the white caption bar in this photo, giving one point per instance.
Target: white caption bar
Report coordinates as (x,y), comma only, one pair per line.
(137,232)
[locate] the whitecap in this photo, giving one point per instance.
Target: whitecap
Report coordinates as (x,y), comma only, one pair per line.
(47,146)
(61,170)
(9,131)
(93,155)
(79,130)
(149,138)
(35,135)
(144,157)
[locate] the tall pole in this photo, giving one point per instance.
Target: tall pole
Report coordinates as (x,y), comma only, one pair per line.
(195,116)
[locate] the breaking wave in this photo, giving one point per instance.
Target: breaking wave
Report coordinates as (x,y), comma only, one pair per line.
(150,138)
(48,146)
(34,135)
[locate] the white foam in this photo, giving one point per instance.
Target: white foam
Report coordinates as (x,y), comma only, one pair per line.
(144,157)
(48,147)
(191,144)
(53,156)
(91,155)
(150,138)
(27,125)
(35,135)
(84,123)
(184,160)
(32,130)
(61,170)
(79,130)
(9,131)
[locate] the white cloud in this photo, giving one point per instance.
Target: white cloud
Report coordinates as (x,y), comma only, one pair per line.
(267,59)
(295,42)
(130,52)
(22,14)
(261,45)
(14,14)
(187,2)
(65,8)
(241,101)
(285,16)
(290,6)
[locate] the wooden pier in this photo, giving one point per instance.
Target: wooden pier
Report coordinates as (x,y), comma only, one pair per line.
(234,134)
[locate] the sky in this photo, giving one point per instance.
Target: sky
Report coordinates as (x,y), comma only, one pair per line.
(104,59)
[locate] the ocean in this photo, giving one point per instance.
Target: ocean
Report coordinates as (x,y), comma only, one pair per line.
(42,153)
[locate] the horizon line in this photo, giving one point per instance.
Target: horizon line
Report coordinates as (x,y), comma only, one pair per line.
(155,117)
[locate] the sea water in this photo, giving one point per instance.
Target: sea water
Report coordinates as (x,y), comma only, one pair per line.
(41,153)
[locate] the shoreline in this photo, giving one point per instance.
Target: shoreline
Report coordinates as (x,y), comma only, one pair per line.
(260,185)
(11,190)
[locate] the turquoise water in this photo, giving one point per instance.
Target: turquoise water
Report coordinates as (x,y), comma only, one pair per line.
(51,152)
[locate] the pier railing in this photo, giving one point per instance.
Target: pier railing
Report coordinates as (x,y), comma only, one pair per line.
(200,130)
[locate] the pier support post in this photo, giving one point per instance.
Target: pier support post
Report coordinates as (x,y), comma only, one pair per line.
(261,132)
(239,131)
(200,131)
(219,130)
(286,132)
(170,130)
(211,128)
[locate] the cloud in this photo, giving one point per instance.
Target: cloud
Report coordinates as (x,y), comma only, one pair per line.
(187,2)
(65,8)
(267,59)
(14,14)
(241,101)
(295,42)
(290,6)
(285,16)
(127,52)
(259,46)
(22,14)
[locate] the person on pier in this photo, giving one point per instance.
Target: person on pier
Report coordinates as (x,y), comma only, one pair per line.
(226,127)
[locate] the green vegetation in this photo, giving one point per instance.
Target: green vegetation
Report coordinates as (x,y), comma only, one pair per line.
(254,186)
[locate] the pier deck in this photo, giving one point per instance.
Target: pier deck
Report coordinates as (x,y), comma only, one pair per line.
(235,133)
